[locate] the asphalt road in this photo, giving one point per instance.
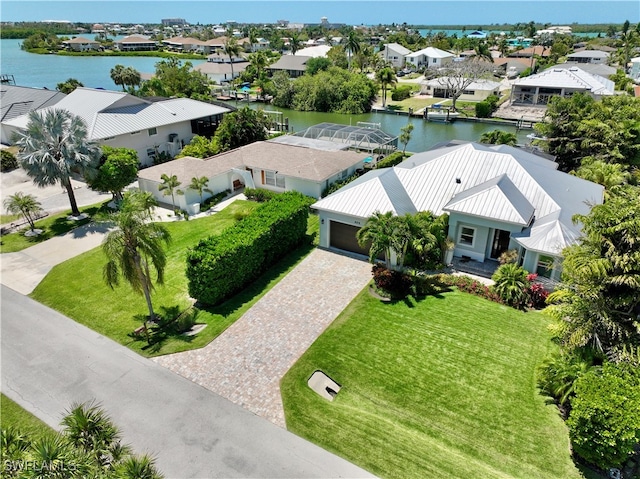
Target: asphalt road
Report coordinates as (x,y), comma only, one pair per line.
(49,362)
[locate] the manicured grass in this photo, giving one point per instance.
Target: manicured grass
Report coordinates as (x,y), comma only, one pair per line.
(8,218)
(52,225)
(76,288)
(13,415)
(443,387)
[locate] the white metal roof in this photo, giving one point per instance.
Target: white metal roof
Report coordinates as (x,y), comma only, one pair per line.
(431,52)
(109,113)
(573,78)
(495,199)
(480,84)
(589,54)
(461,176)
(396,47)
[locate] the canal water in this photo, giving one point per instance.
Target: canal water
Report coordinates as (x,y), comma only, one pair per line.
(46,71)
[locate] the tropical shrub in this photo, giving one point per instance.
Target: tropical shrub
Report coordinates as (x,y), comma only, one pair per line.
(259,195)
(392,160)
(604,424)
(509,256)
(8,161)
(557,376)
(214,200)
(401,93)
(396,284)
(335,186)
(220,266)
(536,293)
(511,284)
(470,285)
(483,109)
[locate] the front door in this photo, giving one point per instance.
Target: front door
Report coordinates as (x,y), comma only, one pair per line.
(500,243)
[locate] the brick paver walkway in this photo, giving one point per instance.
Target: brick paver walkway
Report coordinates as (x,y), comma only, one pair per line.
(246,362)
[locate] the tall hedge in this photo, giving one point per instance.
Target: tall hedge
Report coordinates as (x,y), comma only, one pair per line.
(220,266)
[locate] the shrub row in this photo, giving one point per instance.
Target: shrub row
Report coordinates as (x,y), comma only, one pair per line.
(401,93)
(392,160)
(259,194)
(220,266)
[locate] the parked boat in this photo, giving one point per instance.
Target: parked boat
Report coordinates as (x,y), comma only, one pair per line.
(442,115)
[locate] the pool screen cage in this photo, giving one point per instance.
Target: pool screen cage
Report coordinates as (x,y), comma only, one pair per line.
(364,136)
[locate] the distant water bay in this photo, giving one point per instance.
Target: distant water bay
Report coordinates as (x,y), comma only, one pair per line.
(46,71)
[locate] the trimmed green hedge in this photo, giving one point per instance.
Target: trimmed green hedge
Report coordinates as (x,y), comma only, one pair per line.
(220,266)
(393,159)
(401,93)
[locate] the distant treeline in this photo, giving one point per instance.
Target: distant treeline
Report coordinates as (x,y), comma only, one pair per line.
(26,29)
(575,27)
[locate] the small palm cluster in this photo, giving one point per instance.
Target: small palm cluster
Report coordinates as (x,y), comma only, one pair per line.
(88,446)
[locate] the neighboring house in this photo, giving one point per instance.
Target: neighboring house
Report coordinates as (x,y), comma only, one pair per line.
(430,57)
(498,198)
(294,65)
(211,46)
(477,91)
(182,44)
(219,56)
(81,44)
(537,90)
(394,53)
(221,72)
(477,34)
(538,50)
(314,52)
(598,69)
(16,101)
(589,56)
(634,72)
(136,43)
(121,120)
(275,165)
(511,67)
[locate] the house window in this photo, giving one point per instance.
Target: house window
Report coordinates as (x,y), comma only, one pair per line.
(272,178)
(135,132)
(344,174)
(109,138)
(435,60)
(469,92)
(151,153)
(466,236)
(545,266)
(152,131)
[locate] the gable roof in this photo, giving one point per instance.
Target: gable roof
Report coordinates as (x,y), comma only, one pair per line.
(589,54)
(16,101)
(109,113)
(136,39)
(479,84)
(495,199)
(396,47)
(314,52)
(81,40)
(499,182)
(595,69)
(291,62)
(431,52)
(573,78)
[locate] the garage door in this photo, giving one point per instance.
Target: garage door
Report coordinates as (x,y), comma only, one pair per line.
(343,236)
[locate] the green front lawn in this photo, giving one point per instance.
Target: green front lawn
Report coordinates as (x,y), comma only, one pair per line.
(13,415)
(52,225)
(76,288)
(443,388)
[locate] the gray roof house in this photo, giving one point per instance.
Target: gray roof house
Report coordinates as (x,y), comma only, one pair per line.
(81,44)
(294,65)
(394,53)
(279,165)
(589,56)
(122,120)
(498,198)
(537,90)
(16,101)
(596,69)
(430,57)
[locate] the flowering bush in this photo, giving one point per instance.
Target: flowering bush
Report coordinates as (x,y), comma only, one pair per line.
(396,283)
(536,293)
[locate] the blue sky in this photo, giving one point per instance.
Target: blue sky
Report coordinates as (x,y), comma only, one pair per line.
(354,12)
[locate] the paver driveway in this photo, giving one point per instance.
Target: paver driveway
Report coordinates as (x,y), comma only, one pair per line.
(246,362)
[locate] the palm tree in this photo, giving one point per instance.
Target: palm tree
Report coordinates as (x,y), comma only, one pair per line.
(232,50)
(294,43)
(385,233)
(253,39)
(169,187)
(142,467)
(134,247)
(23,205)
(352,45)
(200,185)
(258,61)
(131,77)
(511,284)
(499,137)
(54,145)
(69,85)
(386,77)
(117,75)
(405,136)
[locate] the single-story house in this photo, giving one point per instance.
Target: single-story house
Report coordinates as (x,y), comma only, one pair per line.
(307,166)
(121,120)
(294,65)
(81,44)
(497,197)
(634,73)
(511,67)
(221,72)
(589,56)
(136,43)
(478,90)
(314,51)
(394,53)
(429,57)
(528,52)
(599,69)
(16,101)
(540,88)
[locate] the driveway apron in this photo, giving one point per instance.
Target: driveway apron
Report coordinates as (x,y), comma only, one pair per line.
(246,363)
